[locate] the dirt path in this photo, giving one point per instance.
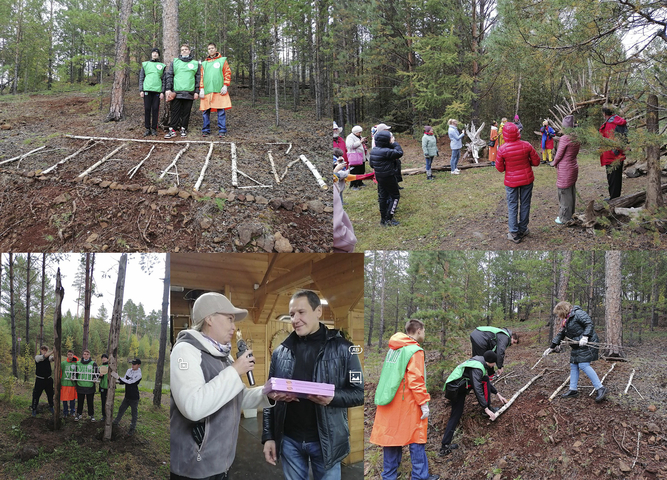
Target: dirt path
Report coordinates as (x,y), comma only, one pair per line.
(108,210)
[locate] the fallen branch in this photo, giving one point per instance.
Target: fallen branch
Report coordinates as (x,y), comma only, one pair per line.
(21,157)
(203,170)
(541,358)
(139,140)
(629,382)
(444,168)
(605,376)
(93,167)
(514,397)
(187,145)
(250,178)
(559,388)
(136,169)
(318,177)
(288,150)
(613,435)
(639,434)
(86,146)
(273,167)
(633,386)
(235,177)
(288,167)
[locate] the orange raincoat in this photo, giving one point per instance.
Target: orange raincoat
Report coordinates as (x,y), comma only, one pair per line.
(399,423)
(216,100)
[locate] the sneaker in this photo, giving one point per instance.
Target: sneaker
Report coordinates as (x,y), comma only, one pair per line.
(222,134)
(92,419)
(525,233)
(355,188)
(147,132)
(493,409)
(171,133)
(493,164)
(130,432)
(433,477)
(77,418)
(602,393)
(455,172)
(571,394)
(558,221)
(392,223)
(516,238)
(51,410)
(154,132)
(205,134)
(34,413)
(401,188)
(184,132)
(115,422)
(447,449)
(429,177)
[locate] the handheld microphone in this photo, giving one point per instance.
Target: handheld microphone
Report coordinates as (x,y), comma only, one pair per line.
(242,346)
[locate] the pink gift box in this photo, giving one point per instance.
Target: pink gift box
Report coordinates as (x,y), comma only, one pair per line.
(300,387)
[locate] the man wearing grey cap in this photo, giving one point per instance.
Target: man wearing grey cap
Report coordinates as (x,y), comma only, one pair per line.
(207,393)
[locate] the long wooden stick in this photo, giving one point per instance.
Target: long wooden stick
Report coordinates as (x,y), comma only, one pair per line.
(136,168)
(514,397)
(21,157)
(560,388)
(250,178)
(79,137)
(629,382)
(93,167)
(203,170)
(288,150)
(318,177)
(541,358)
(187,145)
(605,376)
(288,167)
(235,177)
(85,147)
(273,167)
(639,434)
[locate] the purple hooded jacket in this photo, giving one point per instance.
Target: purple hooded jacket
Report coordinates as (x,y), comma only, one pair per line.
(566,158)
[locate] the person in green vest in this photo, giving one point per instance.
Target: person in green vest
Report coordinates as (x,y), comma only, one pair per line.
(86,374)
(152,90)
(471,374)
(401,417)
(215,78)
(104,385)
(181,82)
(493,338)
(68,383)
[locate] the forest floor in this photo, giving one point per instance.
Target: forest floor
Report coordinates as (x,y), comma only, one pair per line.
(110,211)
(469,211)
(30,449)
(535,439)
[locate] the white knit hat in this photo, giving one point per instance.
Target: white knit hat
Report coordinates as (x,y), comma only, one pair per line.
(357,129)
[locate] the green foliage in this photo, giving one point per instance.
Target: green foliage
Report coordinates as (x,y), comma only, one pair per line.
(8,383)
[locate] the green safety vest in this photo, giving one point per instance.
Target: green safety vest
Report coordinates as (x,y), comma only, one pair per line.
(393,372)
(458,371)
(213,77)
(85,372)
(184,75)
(495,331)
(153,76)
(69,374)
(104,379)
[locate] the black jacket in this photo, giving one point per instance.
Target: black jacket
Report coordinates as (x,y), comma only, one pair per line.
(385,155)
(333,365)
(477,378)
(483,341)
(168,83)
(578,325)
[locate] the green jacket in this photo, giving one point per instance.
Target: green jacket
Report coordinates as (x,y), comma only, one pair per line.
(393,372)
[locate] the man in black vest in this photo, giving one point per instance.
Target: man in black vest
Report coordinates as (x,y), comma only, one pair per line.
(43,380)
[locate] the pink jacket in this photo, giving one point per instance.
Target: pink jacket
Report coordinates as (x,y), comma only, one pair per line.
(566,162)
(344,238)
(516,158)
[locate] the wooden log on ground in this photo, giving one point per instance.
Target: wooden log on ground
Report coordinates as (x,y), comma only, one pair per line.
(136,168)
(629,382)
(187,145)
(311,167)
(273,167)
(235,177)
(605,376)
(21,157)
(514,397)
(444,168)
(203,170)
(86,146)
(107,157)
(250,178)
(553,395)
(79,137)
(633,199)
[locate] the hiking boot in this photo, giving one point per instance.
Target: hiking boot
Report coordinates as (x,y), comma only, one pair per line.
(184,132)
(34,413)
(51,410)
(525,233)
(447,449)
(570,394)
(147,132)
(131,431)
(392,223)
(171,133)
(514,237)
(430,177)
(602,393)
(154,132)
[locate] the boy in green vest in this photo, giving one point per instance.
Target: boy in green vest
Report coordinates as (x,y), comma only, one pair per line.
(104,385)
(86,374)
(68,383)
(215,78)
(152,90)
(181,82)
(471,374)
(493,338)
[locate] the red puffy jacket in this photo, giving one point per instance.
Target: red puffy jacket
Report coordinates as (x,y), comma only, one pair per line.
(515,158)
(607,130)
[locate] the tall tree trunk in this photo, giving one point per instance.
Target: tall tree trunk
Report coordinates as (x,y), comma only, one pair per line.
(654,199)
(654,295)
(27,315)
(374,284)
(591,284)
(554,294)
(518,97)
(157,390)
(87,296)
(382,298)
(17,51)
(612,314)
(57,337)
(41,307)
(116,110)
(114,333)
(12,316)
(276,61)
(50,80)
(169,43)
(564,275)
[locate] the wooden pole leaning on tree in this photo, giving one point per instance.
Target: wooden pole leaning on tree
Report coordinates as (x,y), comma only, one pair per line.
(57,335)
(114,333)
(553,395)
(514,397)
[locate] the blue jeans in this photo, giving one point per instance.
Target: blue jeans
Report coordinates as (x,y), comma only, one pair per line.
(588,370)
(295,455)
(392,459)
(514,196)
(222,121)
(428,162)
(456,154)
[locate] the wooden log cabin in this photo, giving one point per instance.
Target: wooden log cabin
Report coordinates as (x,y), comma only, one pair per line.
(263,283)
